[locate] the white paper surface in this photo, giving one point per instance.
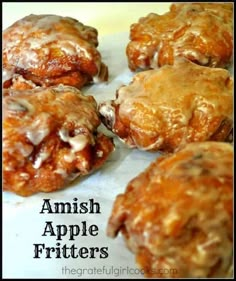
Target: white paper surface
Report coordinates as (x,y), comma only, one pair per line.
(107,17)
(23,225)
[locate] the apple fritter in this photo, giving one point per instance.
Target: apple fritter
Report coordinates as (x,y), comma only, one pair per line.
(166,108)
(200,32)
(50,137)
(50,50)
(177,215)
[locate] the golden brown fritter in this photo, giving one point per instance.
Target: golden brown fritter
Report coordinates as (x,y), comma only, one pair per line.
(50,50)
(49,138)
(200,32)
(166,108)
(177,216)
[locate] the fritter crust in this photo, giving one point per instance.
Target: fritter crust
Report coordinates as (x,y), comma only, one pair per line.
(177,216)
(200,32)
(50,50)
(166,108)
(50,138)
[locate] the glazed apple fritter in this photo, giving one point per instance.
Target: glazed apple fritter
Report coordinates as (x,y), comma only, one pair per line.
(50,50)
(166,108)
(200,32)
(177,216)
(50,138)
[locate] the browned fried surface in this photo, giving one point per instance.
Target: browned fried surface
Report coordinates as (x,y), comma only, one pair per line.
(50,138)
(176,216)
(166,108)
(200,32)
(51,50)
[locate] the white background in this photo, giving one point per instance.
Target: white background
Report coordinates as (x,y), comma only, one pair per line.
(106,17)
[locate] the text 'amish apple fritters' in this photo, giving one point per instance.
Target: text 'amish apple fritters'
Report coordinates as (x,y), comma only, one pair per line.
(50,50)
(166,108)
(177,216)
(200,32)
(49,138)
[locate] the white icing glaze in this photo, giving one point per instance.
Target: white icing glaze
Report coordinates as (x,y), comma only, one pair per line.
(166,94)
(39,128)
(36,136)
(18,104)
(25,176)
(99,153)
(37,35)
(154,60)
(191,31)
(7,74)
(77,142)
(70,157)
(61,172)
(24,149)
(40,158)
(160,104)
(191,234)
(20,79)
(72,176)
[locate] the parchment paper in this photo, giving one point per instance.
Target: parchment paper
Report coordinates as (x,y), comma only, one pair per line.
(23,225)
